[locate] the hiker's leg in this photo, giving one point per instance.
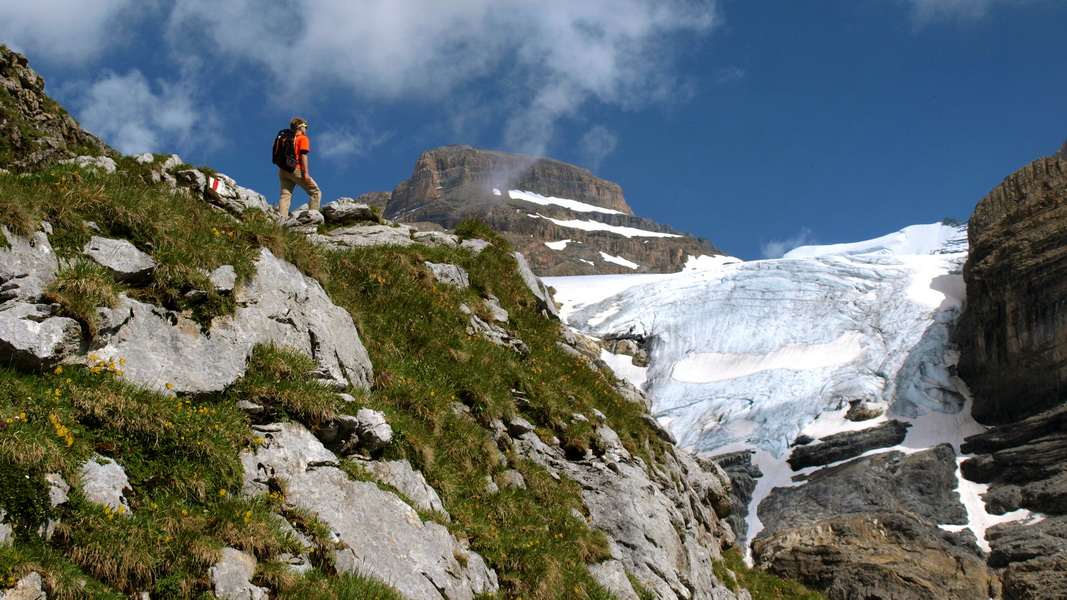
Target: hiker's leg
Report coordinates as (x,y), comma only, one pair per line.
(313,191)
(288,185)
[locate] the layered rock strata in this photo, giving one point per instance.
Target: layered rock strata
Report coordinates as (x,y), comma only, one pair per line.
(870,528)
(592,231)
(1013,333)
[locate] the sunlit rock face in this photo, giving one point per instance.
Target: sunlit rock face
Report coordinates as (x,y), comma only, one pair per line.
(1014,332)
(564,219)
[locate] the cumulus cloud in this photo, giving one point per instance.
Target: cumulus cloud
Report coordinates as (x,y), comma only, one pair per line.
(545,60)
(72,31)
(777,248)
(127,112)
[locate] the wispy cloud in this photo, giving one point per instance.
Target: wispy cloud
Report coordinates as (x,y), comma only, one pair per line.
(596,145)
(925,12)
(777,248)
(132,116)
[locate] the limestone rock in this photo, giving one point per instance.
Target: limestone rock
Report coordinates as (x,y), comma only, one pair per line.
(93,163)
(374,431)
(232,577)
(385,538)
(346,209)
(846,445)
(104,481)
(28,266)
(869,528)
(224,278)
(7,534)
(31,337)
(359,236)
(453,183)
(642,511)
(449,274)
(407,481)
(436,238)
(540,291)
(876,555)
(125,262)
(612,575)
(233,198)
(1013,332)
(30,587)
(279,305)
(36,130)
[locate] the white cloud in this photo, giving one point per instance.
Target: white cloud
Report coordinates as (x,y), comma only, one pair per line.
(777,248)
(72,31)
(125,111)
(545,59)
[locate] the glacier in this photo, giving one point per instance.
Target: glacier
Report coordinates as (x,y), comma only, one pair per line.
(754,355)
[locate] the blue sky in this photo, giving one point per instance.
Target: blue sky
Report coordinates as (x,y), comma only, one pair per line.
(759,125)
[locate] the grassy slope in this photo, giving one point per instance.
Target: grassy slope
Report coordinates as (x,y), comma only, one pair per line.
(181,453)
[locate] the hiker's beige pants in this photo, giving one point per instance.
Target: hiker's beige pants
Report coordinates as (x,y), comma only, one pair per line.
(289,182)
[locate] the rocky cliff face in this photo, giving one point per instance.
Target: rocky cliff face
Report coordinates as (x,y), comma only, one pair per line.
(1013,332)
(1013,337)
(592,230)
(34,130)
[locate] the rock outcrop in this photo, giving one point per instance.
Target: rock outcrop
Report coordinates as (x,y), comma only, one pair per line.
(592,231)
(34,128)
(1013,332)
(869,528)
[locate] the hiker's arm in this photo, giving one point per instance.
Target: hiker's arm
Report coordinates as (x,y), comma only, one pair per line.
(304,164)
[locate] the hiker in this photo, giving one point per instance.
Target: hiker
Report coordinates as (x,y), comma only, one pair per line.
(299,176)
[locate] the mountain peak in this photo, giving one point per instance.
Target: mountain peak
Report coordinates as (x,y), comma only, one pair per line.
(566,220)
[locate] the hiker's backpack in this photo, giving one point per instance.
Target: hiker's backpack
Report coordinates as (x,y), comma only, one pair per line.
(284,153)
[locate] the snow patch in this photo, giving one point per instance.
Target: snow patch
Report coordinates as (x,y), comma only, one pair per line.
(574,205)
(628,232)
(710,367)
(560,245)
(618,260)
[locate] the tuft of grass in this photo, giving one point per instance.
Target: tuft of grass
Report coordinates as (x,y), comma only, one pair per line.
(350,586)
(277,380)
(80,288)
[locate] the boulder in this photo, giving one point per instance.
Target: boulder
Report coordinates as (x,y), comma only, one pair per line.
(374,431)
(104,481)
(407,481)
(29,587)
(224,192)
(346,209)
(436,238)
(232,576)
(223,278)
(92,163)
(449,274)
(121,258)
(28,266)
(279,306)
(31,337)
(540,291)
(385,538)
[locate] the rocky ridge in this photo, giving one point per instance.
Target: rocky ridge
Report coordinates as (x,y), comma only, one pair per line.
(34,129)
(454,183)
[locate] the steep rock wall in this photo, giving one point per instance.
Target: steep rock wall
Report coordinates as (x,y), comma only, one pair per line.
(1013,333)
